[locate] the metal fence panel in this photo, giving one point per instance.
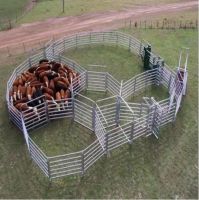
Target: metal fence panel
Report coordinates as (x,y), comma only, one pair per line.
(60,108)
(64,165)
(38,156)
(96,81)
(100,131)
(36,116)
(92,153)
(83,113)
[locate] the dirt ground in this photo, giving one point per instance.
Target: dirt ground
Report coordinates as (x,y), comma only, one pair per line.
(57,27)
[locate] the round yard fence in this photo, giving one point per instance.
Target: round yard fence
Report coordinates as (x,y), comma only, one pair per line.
(114,120)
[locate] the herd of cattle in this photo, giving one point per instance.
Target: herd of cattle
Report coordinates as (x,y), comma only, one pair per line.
(48,79)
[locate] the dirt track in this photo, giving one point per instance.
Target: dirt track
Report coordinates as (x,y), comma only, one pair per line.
(44,30)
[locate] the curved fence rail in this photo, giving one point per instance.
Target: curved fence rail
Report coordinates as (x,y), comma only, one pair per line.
(113,120)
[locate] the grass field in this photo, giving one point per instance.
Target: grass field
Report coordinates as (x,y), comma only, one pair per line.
(107,57)
(53,8)
(150,168)
(9,9)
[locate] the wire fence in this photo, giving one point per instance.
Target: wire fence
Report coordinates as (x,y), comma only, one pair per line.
(31,48)
(161,24)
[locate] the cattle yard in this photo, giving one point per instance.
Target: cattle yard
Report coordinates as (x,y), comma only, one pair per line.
(112,121)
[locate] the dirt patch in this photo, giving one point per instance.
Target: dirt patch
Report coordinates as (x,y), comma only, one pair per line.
(43,30)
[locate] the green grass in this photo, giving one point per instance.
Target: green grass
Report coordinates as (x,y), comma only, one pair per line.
(72,137)
(9,9)
(119,62)
(53,8)
(150,168)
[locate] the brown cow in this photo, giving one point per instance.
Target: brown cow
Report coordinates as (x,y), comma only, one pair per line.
(46,81)
(52,84)
(29,93)
(47,90)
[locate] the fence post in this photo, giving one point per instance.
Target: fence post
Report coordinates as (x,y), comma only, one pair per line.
(25,132)
(29,61)
(134,87)
(48,164)
(117,114)
(76,41)
(59,57)
(146,80)
(169,85)
(86,79)
(153,120)
(132,133)
(82,173)
(10,23)
(136,24)
(145,24)
(64,46)
(106,81)
(94,117)
(148,119)
(161,65)
(121,87)
(106,144)
(9,54)
(53,48)
(117,38)
(161,75)
(129,44)
(24,47)
(174,115)
(46,107)
(90,38)
(140,110)
(140,51)
(44,52)
(73,65)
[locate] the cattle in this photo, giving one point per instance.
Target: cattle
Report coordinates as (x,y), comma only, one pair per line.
(48,80)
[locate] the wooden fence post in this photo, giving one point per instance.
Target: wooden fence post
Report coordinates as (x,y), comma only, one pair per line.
(24,48)
(9,23)
(136,24)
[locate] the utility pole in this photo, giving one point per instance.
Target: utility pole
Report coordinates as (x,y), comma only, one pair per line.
(63,2)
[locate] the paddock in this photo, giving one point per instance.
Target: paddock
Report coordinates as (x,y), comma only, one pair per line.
(113,120)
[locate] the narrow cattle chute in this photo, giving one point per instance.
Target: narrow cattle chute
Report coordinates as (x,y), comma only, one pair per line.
(114,120)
